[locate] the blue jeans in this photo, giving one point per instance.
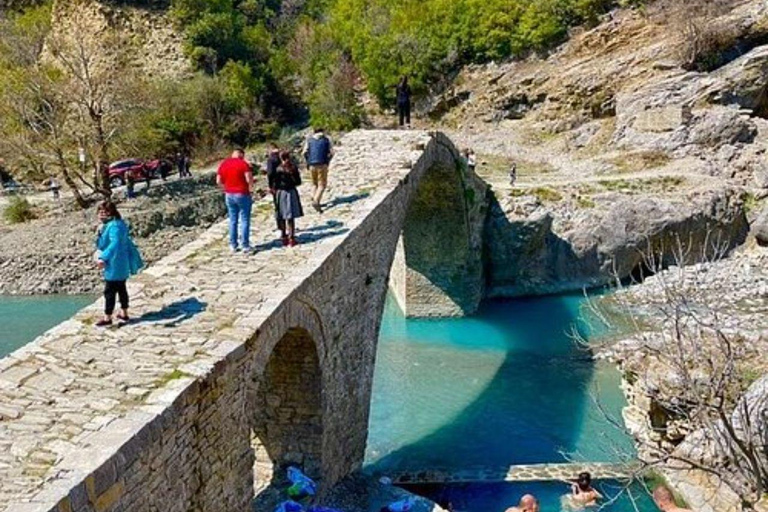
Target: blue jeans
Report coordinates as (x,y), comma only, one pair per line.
(239,211)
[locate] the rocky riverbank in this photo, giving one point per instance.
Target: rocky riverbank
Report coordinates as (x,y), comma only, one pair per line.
(729,298)
(54,254)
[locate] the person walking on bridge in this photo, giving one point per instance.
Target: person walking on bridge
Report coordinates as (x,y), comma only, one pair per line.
(235,177)
(318,151)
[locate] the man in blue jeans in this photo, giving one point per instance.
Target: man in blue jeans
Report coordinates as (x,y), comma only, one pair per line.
(236,178)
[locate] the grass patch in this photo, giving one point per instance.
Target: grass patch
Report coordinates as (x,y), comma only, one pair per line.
(538,137)
(490,166)
(527,168)
(543,194)
(170,377)
(751,203)
(493,166)
(750,375)
(584,202)
(19,210)
(640,161)
(661,184)
(262,208)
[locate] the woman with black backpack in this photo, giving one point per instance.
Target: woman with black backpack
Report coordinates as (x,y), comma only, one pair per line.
(283,183)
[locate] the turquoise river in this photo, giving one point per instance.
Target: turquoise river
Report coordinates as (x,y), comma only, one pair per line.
(508,386)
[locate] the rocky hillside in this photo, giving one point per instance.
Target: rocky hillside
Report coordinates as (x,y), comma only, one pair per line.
(620,148)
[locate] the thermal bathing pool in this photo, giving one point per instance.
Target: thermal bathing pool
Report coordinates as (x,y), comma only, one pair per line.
(508,386)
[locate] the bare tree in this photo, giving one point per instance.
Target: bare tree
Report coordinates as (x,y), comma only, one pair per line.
(34,124)
(693,358)
(33,108)
(104,90)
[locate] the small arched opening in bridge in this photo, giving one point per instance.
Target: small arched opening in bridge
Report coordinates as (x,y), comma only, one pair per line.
(437,270)
(288,427)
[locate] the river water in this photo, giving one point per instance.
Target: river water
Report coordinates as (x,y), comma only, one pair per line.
(22,319)
(508,386)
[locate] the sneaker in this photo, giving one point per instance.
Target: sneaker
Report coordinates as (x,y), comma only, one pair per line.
(103,323)
(247,250)
(233,249)
(317,207)
(122,318)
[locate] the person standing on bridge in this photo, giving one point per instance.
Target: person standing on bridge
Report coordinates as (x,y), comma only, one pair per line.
(284,182)
(235,177)
(118,258)
(318,151)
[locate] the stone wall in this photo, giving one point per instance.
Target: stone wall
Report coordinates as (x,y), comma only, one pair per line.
(234,366)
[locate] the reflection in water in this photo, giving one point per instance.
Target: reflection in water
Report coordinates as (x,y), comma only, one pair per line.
(508,386)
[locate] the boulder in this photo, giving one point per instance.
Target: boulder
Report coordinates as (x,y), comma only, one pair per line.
(553,251)
(743,81)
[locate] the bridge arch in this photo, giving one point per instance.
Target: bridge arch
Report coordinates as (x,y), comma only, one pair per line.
(289,426)
(438,265)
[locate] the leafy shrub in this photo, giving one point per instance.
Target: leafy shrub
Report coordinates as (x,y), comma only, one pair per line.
(18,210)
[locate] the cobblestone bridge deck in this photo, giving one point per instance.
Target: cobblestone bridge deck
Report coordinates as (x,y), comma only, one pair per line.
(233,364)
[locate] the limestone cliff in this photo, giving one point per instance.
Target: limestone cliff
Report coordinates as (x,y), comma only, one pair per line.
(141,30)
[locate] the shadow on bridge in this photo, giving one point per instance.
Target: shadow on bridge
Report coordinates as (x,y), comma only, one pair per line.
(532,410)
(173,314)
(343,200)
(308,235)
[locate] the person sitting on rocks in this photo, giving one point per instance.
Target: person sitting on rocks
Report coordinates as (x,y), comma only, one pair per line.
(582,493)
(528,503)
(665,500)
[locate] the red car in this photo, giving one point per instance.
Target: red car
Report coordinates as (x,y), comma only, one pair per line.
(140,170)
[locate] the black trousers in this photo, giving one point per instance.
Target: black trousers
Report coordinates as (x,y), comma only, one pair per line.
(112,288)
(404,111)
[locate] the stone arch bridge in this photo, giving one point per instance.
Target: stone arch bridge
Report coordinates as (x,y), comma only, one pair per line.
(237,365)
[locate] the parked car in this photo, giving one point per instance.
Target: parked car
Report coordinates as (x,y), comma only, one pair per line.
(141,170)
(118,171)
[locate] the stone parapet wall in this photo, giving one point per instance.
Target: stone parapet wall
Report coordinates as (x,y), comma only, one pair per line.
(181,408)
